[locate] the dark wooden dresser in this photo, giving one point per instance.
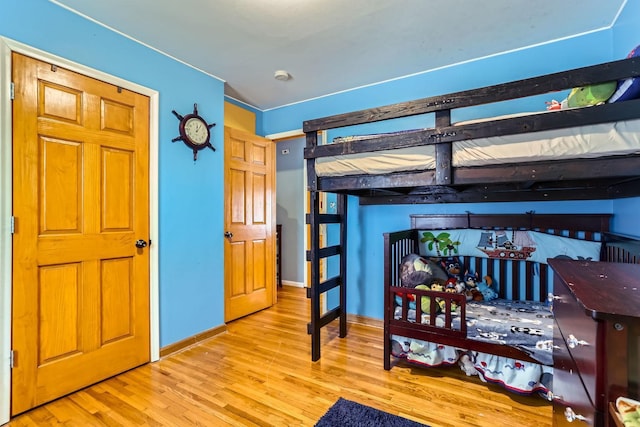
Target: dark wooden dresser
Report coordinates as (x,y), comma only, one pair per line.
(596,340)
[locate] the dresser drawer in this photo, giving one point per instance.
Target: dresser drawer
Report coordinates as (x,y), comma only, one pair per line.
(570,396)
(579,333)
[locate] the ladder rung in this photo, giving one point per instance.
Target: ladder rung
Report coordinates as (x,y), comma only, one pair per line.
(325,286)
(325,218)
(330,284)
(326,252)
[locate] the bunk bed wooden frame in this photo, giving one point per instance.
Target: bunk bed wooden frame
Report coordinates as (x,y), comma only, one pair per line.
(574,179)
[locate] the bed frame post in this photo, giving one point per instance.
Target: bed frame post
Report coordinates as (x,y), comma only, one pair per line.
(443,151)
(313,292)
(342,213)
(396,246)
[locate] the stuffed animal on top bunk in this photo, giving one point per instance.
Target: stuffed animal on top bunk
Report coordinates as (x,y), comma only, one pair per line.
(585,96)
(599,93)
(628,88)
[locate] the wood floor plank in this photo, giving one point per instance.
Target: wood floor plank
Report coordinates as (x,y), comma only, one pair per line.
(259,373)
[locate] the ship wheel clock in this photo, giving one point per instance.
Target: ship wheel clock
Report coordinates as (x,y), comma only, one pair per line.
(194,131)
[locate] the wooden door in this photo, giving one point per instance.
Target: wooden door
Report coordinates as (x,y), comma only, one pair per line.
(80,201)
(249,249)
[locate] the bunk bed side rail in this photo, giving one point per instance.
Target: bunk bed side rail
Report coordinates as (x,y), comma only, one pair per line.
(447,133)
(577,77)
(594,223)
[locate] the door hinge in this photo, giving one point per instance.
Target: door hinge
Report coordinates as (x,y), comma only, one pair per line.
(13,224)
(12,91)
(12,359)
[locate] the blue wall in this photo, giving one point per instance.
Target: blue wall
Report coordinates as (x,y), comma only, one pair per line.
(190,194)
(626,36)
(290,209)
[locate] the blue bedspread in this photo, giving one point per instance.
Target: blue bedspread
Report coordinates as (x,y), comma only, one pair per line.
(524,324)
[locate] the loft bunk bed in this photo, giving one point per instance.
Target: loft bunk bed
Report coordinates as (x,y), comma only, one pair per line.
(585,153)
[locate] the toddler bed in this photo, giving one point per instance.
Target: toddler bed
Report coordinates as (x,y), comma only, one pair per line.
(507,340)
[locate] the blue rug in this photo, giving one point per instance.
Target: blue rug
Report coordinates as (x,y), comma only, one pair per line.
(345,413)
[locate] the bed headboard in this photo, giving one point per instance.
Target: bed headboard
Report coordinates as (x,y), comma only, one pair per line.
(517,279)
(570,225)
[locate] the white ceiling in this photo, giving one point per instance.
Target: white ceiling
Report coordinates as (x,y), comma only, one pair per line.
(334,45)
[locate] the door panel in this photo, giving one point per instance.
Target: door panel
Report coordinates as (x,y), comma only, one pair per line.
(249,218)
(80,199)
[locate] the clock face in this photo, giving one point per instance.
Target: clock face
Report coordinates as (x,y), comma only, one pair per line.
(196,130)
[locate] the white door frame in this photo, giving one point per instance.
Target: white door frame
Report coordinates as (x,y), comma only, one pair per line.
(299,133)
(6,47)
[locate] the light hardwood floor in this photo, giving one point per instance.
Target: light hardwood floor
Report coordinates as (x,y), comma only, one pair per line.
(259,373)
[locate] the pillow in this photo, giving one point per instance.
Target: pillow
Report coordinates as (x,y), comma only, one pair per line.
(628,88)
(591,94)
(511,244)
(416,270)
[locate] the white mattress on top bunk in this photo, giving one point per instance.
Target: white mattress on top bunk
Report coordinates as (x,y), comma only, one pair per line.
(592,141)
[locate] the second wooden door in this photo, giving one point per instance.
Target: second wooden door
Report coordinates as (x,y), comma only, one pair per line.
(250,279)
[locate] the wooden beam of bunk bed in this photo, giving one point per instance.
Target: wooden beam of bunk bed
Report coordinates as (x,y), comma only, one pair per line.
(591,223)
(547,191)
(499,127)
(577,77)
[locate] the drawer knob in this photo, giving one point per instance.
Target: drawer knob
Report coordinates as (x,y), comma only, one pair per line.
(551,297)
(573,342)
(551,396)
(572,416)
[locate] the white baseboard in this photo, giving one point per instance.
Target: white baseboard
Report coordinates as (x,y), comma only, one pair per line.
(294,284)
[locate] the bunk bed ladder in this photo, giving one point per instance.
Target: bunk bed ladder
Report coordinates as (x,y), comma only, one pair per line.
(317,288)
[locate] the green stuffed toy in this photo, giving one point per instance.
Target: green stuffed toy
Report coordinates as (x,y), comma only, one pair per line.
(425,302)
(591,94)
